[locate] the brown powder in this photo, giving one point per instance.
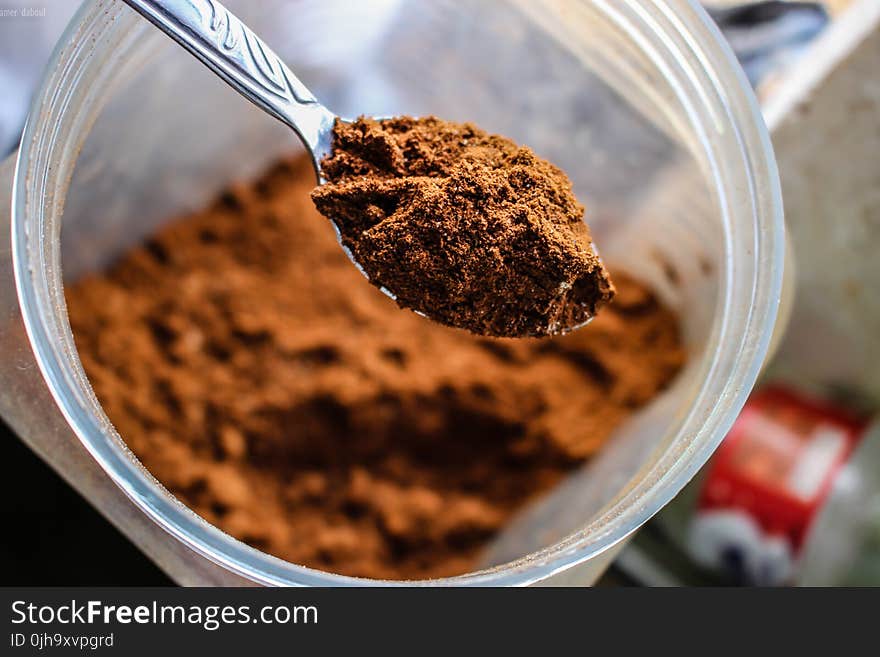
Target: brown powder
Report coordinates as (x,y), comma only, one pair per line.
(257,375)
(462,226)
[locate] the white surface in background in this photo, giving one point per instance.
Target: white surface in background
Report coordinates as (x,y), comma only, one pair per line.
(825,125)
(25,45)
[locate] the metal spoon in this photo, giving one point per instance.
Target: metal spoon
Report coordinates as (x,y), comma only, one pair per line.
(230,49)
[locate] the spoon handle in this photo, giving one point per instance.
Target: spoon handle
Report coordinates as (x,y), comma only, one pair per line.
(230,49)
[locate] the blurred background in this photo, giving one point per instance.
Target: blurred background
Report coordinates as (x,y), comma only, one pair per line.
(791,496)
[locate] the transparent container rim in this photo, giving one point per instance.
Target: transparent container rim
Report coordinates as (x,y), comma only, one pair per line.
(684,32)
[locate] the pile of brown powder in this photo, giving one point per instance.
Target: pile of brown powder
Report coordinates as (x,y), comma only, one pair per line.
(261,379)
(465,227)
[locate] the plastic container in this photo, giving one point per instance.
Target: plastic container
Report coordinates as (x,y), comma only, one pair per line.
(641,102)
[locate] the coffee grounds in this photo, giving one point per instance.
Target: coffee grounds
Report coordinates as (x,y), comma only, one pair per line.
(462,226)
(257,375)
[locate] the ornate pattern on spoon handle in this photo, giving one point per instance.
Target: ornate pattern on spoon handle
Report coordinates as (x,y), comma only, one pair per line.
(254,56)
(214,35)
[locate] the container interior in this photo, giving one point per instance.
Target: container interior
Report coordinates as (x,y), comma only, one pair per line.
(567,82)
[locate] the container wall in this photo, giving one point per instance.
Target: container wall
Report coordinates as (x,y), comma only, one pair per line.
(147,134)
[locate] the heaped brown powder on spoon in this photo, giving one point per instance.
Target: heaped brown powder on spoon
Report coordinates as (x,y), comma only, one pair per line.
(463,226)
(263,381)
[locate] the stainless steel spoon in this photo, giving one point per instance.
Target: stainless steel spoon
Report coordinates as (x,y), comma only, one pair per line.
(230,49)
